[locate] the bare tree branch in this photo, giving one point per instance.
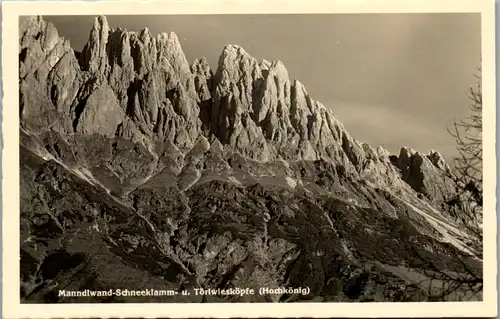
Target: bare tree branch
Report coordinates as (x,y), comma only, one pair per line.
(467,174)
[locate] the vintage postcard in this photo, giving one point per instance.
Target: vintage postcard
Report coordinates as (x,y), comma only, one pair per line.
(249,159)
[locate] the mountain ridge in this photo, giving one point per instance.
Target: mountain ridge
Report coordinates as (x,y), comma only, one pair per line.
(231,159)
(301,128)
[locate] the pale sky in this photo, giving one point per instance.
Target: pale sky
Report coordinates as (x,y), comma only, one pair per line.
(392,79)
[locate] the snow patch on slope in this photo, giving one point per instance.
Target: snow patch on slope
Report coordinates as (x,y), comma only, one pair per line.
(447,230)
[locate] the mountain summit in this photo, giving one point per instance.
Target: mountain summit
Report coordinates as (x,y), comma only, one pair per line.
(137,165)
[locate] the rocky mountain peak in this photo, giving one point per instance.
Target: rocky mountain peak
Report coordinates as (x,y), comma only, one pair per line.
(438,160)
(186,174)
(236,66)
(427,174)
(169,47)
(94,53)
(101,23)
(153,95)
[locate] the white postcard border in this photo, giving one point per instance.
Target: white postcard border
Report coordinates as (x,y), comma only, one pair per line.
(10,232)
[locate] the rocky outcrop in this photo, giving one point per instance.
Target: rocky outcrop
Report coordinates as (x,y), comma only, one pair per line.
(193,177)
(49,77)
(203,81)
(426,174)
(148,78)
(151,79)
(257,107)
(258,111)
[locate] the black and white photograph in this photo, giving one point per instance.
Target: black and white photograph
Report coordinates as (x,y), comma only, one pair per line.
(269,158)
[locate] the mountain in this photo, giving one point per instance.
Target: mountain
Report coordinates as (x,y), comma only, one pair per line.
(141,171)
